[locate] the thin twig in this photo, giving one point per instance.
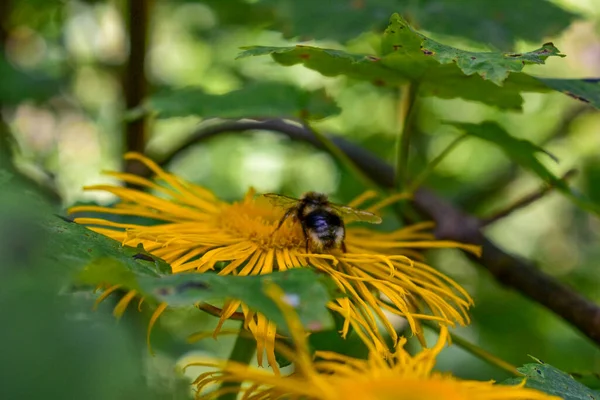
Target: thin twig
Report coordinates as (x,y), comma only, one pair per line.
(477,351)
(451,223)
(409,98)
(339,155)
(217,312)
(418,181)
(5,11)
(523,202)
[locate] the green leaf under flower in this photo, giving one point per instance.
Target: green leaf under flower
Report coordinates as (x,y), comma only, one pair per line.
(548,379)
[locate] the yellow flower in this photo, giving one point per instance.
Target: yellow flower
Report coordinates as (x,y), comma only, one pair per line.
(199,232)
(338,377)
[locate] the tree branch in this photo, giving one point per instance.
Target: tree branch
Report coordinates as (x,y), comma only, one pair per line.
(523,202)
(451,223)
(135,84)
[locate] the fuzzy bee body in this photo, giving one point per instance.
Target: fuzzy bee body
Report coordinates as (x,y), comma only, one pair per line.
(325,229)
(321,220)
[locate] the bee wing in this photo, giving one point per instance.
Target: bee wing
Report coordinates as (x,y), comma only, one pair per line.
(281,200)
(350,214)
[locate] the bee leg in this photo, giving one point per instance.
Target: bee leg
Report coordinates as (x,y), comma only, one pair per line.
(344,249)
(305,237)
(287,214)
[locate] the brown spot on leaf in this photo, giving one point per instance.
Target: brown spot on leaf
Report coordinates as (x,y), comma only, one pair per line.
(89,250)
(373,58)
(144,257)
(473,58)
(514,55)
(397,46)
(192,285)
(428,52)
(304,56)
(358,4)
(378,82)
(577,97)
(303,113)
(166,291)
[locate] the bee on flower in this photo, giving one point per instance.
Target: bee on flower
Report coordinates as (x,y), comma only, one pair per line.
(376,272)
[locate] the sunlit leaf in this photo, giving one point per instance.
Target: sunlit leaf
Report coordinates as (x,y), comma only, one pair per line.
(264,99)
(331,62)
(409,51)
(586,90)
(548,379)
(444,81)
(524,153)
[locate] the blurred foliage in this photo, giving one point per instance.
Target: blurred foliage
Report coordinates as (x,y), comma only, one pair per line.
(498,23)
(61,93)
(523,152)
(260,100)
(18,85)
(51,338)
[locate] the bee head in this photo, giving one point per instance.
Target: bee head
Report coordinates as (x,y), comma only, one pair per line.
(314,198)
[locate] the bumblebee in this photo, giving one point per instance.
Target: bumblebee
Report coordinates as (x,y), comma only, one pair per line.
(322,221)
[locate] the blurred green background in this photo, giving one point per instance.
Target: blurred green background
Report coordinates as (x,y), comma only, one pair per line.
(62,90)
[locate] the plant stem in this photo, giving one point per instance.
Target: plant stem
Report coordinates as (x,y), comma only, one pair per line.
(338,154)
(477,351)
(407,110)
(434,163)
(242,352)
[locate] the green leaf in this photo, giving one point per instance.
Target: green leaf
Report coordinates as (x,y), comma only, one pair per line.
(524,153)
(586,90)
(548,379)
(441,70)
(446,83)
(406,49)
(75,247)
(331,62)
(265,99)
(304,290)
